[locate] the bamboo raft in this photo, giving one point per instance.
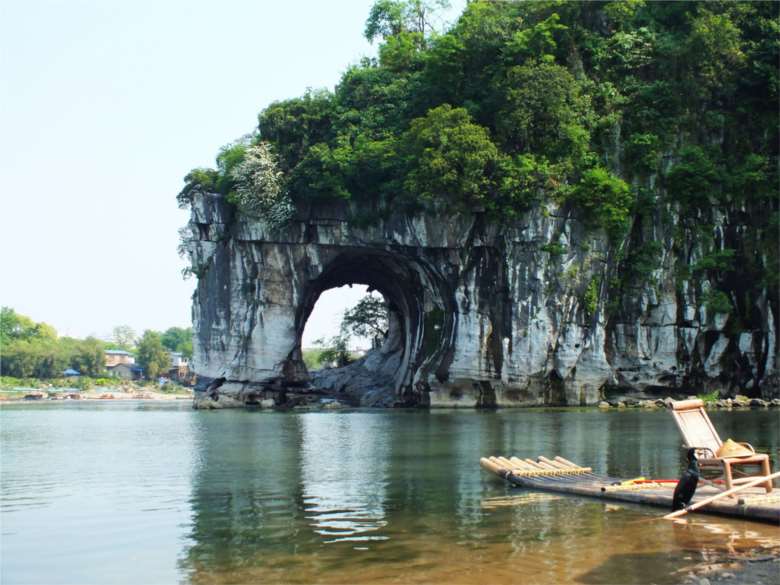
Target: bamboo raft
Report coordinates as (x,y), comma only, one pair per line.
(562,476)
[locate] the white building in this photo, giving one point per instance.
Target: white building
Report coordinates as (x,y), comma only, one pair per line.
(178,360)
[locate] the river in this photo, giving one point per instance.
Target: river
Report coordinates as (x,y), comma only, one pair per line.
(144,492)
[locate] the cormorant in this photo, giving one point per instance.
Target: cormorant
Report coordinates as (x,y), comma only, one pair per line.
(687,484)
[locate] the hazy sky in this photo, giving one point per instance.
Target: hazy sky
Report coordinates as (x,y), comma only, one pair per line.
(105,106)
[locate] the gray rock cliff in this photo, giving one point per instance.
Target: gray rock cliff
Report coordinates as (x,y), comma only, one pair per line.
(481,314)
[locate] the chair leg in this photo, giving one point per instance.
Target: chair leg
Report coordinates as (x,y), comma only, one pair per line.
(727,474)
(766,470)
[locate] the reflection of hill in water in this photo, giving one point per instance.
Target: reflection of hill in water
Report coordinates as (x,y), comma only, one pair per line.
(346,497)
(246,490)
(344,475)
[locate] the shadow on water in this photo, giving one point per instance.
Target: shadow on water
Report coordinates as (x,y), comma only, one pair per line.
(663,566)
(696,546)
(388,496)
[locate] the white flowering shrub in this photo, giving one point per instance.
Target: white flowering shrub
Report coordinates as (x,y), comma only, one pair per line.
(259,189)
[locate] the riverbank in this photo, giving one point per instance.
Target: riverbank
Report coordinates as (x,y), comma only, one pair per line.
(95,397)
(739,401)
(14,390)
(329,400)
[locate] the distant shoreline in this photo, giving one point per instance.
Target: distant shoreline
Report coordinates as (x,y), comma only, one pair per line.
(61,390)
(101,395)
(92,400)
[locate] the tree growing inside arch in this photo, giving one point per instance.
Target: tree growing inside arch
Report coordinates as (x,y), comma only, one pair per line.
(368,319)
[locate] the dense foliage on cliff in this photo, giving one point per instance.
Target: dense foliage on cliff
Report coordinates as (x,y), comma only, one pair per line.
(627,113)
(523,101)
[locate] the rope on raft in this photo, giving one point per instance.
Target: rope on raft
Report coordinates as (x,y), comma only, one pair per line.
(635,486)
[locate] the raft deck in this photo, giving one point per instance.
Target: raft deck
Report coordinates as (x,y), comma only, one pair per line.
(562,476)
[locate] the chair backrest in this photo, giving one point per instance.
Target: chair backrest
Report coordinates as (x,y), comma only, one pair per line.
(695,425)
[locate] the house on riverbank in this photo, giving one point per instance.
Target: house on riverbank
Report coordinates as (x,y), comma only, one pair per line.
(126,371)
(180,368)
(114,357)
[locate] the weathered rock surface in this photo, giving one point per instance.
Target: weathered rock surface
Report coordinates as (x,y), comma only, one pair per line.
(481,315)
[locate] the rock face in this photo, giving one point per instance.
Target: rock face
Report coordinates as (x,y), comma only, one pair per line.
(481,314)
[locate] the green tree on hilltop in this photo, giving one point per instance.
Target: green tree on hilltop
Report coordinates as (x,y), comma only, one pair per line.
(522,103)
(449,155)
(393,18)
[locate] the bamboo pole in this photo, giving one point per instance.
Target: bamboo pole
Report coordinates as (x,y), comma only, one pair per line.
(506,463)
(520,464)
(546,465)
(697,505)
(576,471)
(581,472)
(556,464)
(569,475)
(493,467)
(533,464)
(565,461)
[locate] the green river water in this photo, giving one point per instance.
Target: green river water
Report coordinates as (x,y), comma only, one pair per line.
(155,492)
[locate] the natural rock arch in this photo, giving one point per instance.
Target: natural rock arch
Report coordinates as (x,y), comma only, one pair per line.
(484,314)
(421,323)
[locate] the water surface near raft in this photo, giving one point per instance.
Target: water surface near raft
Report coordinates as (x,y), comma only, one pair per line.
(153,493)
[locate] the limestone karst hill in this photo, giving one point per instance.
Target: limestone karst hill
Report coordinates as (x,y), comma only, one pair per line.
(558,200)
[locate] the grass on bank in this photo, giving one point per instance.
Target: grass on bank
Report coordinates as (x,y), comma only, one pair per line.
(710,397)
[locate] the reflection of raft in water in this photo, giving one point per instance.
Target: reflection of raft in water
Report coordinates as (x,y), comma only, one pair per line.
(563,476)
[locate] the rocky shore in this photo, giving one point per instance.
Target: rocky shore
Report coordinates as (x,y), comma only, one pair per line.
(738,401)
(331,401)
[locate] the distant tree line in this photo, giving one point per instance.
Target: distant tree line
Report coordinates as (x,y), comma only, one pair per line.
(34,350)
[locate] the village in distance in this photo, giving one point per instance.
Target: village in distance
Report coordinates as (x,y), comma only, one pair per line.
(38,364)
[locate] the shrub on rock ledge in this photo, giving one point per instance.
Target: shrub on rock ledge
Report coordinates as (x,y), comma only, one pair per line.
(259,186)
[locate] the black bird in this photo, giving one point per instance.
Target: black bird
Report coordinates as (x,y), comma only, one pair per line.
(687,484)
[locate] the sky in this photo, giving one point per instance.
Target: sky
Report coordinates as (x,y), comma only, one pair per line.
(105,106)
(325,318)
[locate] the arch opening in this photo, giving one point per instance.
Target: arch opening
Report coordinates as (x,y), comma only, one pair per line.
(420,319)
(345,324)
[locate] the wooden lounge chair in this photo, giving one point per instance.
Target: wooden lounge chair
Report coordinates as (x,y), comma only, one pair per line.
(698,433)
